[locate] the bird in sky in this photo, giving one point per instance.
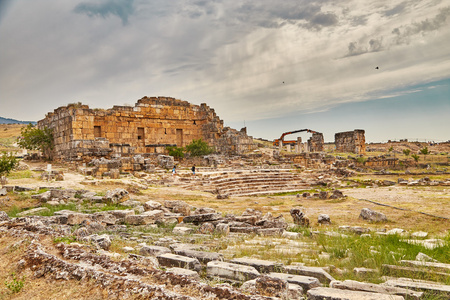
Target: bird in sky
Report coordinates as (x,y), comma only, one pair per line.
(377,68)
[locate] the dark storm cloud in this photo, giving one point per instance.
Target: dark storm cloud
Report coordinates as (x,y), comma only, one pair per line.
(120,8)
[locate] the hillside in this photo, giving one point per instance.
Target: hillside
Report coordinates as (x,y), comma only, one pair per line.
(13,121)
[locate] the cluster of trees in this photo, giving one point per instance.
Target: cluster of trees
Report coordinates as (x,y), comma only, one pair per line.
(32,138)
(195,148)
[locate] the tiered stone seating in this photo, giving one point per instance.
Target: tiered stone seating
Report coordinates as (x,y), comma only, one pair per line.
(251,182)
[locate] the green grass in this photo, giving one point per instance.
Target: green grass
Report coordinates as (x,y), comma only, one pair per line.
(21,174)
(55,208)
(13,211)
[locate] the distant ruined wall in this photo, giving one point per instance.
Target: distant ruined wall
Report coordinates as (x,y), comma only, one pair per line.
(315,143)
(81,133)
(350,141)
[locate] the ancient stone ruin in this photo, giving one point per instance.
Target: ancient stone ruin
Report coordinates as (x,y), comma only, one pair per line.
(82,133)
(351,141)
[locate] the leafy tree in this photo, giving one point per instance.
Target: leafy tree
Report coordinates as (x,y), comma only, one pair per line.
(424,151)
(177,152)
(33,138)
(416,157)
(199,148)
(406,152)
(8,162)
(391,148)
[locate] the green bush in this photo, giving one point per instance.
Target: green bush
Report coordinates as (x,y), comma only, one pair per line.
(416,157)
(175,151)
(199,148)
(15,285)
(34,138)
(406,152)
(8,162)
(424,151)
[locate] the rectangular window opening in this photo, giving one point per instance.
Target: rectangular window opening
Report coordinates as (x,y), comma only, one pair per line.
(97,131)
(140,133)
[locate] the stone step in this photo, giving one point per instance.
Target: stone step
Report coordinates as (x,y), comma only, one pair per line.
(306,282)
(438,267)
(202,256)
(316,272)
(413,272)
(179,261)
(231,271)
(263,266)
(419,285)
(375,288)
(323,293)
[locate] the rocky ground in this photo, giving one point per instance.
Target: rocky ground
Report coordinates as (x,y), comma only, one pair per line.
(158,236)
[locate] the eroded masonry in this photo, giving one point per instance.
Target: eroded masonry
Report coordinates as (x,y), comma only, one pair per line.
(351,141)
(82,133)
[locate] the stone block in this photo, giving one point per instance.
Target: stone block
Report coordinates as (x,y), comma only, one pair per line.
(184,272)
(139,219)
(74,218)
(372,216)
(153,250)
(196,219)
(231,271)
(182,230)
(419,285)
(306,282)
(33,211)
(202,256)
(262,266)
(152,205)
(315,272)
(121,214)
(375,288)
(173,260)
(322,293)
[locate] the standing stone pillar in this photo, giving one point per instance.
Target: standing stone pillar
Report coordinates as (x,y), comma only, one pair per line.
(298,146)
(305,147)
(280,145)
(288,146)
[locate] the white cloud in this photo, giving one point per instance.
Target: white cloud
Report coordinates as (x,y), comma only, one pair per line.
(234,56)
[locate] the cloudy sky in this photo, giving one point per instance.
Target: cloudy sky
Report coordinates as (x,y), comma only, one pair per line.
(272,66)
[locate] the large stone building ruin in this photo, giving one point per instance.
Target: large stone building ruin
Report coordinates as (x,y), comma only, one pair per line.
(82,133)
(351,141)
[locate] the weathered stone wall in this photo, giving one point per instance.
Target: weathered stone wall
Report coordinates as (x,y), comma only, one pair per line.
(148,127)
(350,141)
(315,143)
(233,141)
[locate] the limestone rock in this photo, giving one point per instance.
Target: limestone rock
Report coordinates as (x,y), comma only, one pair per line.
(299,216)
(153,250)
(372,216)
(322,293)
(271,286)
(116,195)
(223,228)
(206,228)
(178,206)
(324,219)
(33,211)
(4,216)
(152,205)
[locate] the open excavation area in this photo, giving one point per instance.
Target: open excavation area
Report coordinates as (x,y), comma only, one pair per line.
(112,219)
